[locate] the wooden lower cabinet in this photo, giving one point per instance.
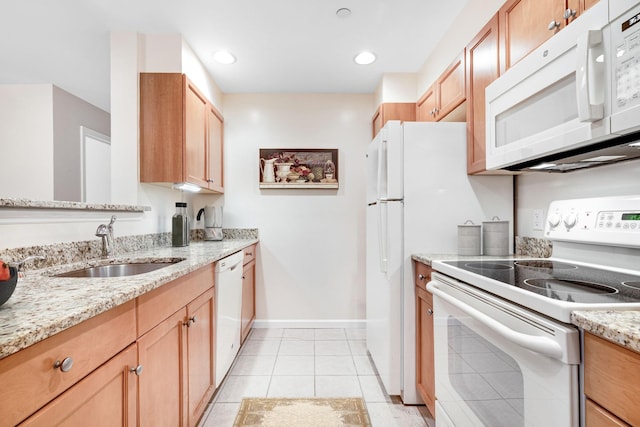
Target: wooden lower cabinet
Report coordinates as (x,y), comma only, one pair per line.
(161,352)
(425,369)
(248,298)
(105,398)
(201,354)
(611,383)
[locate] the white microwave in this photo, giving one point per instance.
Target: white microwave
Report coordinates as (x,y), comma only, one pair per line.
(574,102)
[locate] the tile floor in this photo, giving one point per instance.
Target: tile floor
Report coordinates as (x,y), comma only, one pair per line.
(308,363)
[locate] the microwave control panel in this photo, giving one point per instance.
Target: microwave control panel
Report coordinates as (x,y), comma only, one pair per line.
(625,37)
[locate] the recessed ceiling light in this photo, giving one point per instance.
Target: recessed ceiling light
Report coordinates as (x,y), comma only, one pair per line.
(364,58)
(224,57)
(343,12)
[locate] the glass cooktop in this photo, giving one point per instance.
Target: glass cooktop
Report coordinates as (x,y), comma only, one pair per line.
(559,280)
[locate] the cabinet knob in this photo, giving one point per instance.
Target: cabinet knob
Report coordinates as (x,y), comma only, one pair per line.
(65,365)
(190,321)
(553,25)
(569,13)
(421,277)
(136,370)
(430,312)
(210,181)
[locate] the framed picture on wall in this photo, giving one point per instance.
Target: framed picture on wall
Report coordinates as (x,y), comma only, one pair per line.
(298,168)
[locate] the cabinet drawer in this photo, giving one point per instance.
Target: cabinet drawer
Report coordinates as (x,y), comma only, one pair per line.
(422,274)
(249,254)
(30,380)
(612,377)
(597,416)
(157,305)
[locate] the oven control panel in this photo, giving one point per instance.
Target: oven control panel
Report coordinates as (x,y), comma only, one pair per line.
(600,220)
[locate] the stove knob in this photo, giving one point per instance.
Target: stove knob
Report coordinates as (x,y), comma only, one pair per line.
(570,220)
(554,220)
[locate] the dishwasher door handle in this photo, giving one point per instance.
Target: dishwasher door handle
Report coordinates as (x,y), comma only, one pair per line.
(542,345)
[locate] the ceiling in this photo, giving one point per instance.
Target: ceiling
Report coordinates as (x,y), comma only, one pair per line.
(281,45)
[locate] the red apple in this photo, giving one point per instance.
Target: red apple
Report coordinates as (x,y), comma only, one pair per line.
(5,273)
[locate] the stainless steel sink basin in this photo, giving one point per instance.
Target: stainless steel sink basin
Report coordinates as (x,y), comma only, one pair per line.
(118,270)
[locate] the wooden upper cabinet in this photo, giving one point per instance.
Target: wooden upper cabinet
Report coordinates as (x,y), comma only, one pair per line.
(405,111)
(445,95)
(483,67)
(180,141)
(525,25)
(426,106)
(215,151)
(450,88)
(586,4)
(195,117)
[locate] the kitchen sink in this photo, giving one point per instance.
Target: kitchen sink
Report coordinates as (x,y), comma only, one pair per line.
(119,269)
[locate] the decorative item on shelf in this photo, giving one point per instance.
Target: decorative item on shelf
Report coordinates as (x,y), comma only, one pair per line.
(329,171)
(283,171)
(318,172)
(267,169)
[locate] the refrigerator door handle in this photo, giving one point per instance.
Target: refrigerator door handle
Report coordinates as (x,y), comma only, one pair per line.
(383,238)
(382,156)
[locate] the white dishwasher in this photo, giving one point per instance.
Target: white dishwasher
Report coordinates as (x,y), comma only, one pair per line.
(228,288)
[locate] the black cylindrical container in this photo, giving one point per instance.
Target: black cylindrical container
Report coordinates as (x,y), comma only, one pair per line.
(180,228)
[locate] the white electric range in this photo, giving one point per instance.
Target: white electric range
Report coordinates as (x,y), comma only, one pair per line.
(505,351)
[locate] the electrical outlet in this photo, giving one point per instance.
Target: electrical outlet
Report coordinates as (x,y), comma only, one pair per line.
(538,219)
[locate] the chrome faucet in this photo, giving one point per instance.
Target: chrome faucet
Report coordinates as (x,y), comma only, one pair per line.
(106,232)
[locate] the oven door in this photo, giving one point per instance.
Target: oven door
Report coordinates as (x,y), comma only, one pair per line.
(497,364)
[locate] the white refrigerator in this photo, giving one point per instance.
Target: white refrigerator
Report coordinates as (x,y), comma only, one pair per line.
(418,192)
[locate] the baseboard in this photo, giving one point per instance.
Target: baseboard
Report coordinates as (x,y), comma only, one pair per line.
(310,324)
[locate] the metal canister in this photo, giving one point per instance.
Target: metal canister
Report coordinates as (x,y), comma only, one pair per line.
(469,238)
(495,237)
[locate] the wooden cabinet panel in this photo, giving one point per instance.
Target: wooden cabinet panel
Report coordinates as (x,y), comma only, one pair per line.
(404,111)
(612,377)
(107,397)
(450,87)
(161,388)
(248,314)
(483,67)
(195,158)
(596,416)
(425,367)
(161,127)
(157,305)
(201,351)
(524,25)
(215,149)
(249,254)
(29,378)
(426,106)
(588,3)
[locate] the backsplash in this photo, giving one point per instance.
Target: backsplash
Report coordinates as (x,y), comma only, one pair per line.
(69,252)
(533,247)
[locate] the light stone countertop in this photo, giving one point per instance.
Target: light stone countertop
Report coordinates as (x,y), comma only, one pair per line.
(429,258)
(620,327)
(42,306)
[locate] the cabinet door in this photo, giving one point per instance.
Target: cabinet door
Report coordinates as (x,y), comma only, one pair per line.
(107,397)
(248,298)
(524,25)
(195,135)
(200,349)
(426,106)
(161,388)
(424,357)
(214,149)
(450,90)
(588,4)
(483,67)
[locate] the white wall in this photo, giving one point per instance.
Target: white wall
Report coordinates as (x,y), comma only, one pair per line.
(311,253)
(26,140)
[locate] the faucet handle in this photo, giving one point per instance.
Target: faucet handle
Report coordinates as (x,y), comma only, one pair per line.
(113,219)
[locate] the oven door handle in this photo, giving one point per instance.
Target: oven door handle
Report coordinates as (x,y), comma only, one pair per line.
(542,345)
